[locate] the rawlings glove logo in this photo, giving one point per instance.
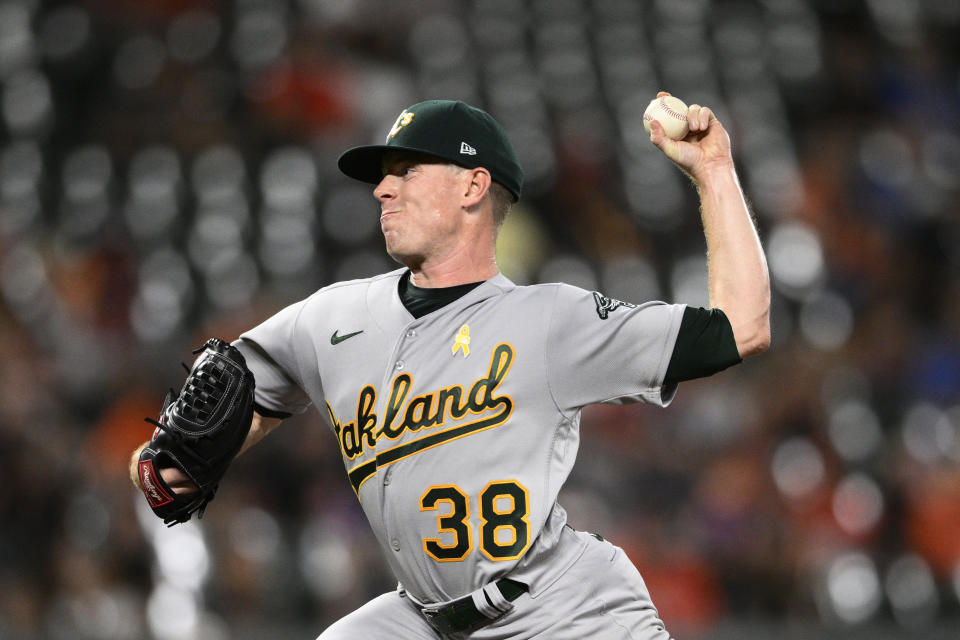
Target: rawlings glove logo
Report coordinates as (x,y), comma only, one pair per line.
(155,494)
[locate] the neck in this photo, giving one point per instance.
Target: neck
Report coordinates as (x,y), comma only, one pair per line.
(469,254)
(472,258)
(450,273)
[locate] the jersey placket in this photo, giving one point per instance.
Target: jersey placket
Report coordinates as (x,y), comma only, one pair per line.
(396,365)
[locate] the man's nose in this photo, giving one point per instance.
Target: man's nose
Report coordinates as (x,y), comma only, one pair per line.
(386,189)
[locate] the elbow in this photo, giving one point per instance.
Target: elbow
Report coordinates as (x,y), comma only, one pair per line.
(755,339)
(754,347)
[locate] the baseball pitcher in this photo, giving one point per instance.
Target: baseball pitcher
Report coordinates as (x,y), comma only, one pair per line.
(455,395)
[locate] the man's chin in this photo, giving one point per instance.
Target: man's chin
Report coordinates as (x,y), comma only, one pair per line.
(406,258)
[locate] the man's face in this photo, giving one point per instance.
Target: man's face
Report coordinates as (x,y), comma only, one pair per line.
(420,211)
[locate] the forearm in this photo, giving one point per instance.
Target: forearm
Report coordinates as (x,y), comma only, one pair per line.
(739,283)
(259,428)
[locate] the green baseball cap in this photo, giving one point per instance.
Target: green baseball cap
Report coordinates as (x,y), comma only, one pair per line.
(448,129)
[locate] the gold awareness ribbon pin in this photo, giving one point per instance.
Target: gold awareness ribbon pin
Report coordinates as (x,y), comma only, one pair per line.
(462,341)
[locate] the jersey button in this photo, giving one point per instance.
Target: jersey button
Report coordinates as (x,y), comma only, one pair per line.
(411,333)
(399,365)
(386,477)
(395,544)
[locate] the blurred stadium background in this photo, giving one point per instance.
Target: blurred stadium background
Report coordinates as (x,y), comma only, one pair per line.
(167,173)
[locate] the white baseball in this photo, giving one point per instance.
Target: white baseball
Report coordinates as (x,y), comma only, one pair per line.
(671,113)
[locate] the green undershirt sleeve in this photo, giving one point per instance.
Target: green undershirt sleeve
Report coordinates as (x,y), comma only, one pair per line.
(705,345)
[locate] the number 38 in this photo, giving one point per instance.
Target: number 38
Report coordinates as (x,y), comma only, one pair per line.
(504,527)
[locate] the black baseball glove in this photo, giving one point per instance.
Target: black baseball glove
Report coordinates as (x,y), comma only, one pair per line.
(199,432)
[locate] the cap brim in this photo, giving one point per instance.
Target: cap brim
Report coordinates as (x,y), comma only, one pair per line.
(366,163)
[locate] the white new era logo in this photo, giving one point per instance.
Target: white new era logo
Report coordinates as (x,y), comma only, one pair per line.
(467,149)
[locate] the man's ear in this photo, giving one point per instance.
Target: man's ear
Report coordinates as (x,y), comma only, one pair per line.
(476,188)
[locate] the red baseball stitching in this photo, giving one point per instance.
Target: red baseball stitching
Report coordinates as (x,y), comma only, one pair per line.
(675,114)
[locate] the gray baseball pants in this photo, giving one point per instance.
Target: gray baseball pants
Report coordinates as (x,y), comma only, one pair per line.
(601,596)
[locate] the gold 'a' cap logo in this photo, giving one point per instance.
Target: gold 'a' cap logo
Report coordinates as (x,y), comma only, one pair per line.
(405,118)
(462,341)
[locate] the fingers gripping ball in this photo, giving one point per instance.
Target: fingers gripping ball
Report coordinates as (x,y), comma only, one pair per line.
(671,113)
(199,432)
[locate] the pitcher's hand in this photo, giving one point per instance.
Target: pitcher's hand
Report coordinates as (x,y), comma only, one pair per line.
(177,480)
(706,147)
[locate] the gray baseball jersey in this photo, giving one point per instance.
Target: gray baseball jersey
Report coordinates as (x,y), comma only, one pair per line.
(458,429)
